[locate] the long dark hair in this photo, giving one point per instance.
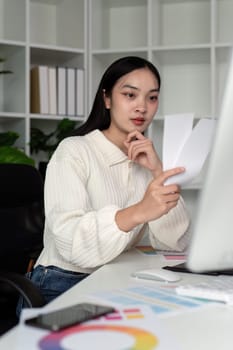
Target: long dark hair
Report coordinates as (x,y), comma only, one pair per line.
(99,117)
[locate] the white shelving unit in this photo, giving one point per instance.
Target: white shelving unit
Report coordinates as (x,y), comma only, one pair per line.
(37,32)
(190,42)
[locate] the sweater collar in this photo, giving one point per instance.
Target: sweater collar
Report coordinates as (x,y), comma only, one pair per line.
(111,152)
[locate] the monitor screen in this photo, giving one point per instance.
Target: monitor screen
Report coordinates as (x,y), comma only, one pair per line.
(211,246)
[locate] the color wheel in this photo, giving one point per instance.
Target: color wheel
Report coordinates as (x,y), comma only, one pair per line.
(143,340)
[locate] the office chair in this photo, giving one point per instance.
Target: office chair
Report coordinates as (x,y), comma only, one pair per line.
(12,286)
(21,216)
(21,227)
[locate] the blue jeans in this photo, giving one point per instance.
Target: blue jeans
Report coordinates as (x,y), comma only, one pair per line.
(51,281)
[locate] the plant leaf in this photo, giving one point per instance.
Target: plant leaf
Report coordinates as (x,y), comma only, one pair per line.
(8,138)
(10,154)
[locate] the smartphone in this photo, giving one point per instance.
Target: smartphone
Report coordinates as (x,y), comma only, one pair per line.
(69,316)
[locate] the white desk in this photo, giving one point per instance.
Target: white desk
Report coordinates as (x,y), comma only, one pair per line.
(210,329)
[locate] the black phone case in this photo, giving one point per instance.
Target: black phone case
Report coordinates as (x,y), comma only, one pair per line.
(67,317)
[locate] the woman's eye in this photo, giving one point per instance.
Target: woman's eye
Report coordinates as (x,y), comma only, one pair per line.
(153,98)
(129,94)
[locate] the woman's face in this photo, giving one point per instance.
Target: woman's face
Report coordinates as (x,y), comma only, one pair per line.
(133,102)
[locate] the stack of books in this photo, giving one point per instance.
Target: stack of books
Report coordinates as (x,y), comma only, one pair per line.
(57,91)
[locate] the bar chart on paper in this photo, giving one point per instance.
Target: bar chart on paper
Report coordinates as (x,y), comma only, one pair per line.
(162,301)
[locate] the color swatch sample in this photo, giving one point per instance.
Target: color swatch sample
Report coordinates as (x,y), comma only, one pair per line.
(142,340)
(129,328)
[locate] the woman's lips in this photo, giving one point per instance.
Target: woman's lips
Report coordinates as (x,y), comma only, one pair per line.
(138,121)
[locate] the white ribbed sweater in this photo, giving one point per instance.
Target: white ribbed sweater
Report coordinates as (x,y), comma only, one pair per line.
(88,180)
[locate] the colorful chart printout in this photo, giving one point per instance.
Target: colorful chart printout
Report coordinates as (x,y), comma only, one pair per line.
(131,328)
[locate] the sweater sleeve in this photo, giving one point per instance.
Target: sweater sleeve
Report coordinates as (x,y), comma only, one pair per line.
(170,232)
(83,236)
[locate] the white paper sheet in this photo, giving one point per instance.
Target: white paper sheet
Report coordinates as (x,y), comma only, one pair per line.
(178,128)
(186,147)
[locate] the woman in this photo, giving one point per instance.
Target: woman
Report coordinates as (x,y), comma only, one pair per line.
(104,186)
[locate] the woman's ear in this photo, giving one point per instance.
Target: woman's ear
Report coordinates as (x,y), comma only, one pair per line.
(107,100)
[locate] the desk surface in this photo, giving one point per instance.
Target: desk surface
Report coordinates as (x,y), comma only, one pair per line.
(202,329)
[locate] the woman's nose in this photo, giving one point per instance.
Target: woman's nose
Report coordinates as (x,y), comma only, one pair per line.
(141,106)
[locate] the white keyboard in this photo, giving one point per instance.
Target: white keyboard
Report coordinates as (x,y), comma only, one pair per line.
(219,289)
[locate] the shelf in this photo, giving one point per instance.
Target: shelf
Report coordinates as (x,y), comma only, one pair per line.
(54,118)
(55,57)
(48,124)
(118,24)
(224,23)
(13,20)
(12,86)
(186,80)
(56,22)
(5,116)
(123,51)
(180,22)
(37,32)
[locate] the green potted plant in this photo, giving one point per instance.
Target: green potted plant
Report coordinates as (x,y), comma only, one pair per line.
(48,142)
(9,153)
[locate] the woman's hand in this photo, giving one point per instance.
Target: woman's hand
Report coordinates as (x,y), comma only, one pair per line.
(141,150)
(158,200)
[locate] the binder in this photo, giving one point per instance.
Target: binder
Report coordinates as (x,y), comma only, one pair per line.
(61,90)
(79,82)
(52,90)
(39,90)
(70,78)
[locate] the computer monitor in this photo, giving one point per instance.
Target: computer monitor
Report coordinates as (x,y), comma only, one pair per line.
(211,246)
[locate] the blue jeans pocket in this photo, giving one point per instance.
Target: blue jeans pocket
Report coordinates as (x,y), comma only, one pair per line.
(53,281)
